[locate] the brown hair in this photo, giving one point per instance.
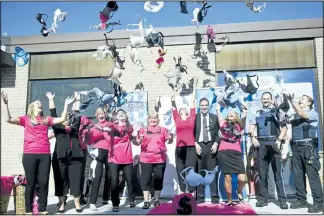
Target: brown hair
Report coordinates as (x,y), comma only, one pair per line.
(310,100)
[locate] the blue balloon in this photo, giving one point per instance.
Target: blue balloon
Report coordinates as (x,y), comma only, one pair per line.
(20,53)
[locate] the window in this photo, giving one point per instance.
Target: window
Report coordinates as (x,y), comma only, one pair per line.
(64,88)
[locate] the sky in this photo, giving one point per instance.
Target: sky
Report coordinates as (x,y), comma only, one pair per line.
(19,18)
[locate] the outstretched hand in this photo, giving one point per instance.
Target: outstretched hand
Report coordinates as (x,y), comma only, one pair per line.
(290,97)
(69,100)
(4,97)
(49,95)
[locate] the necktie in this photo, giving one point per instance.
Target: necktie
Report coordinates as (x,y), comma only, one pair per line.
(205,129)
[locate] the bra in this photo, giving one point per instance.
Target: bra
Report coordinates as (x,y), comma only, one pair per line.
(194,179)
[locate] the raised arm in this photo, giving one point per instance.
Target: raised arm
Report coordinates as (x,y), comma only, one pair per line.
(193,99)
(219,114)
(296,107)
(61,119)
(51,104)
(243,118)
(8,118)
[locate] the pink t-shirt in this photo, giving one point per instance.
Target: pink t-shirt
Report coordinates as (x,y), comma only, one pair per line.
(99,138)
(84,121)
(185,129)
(121,150)
(224,145)
(36,136)
(153,148)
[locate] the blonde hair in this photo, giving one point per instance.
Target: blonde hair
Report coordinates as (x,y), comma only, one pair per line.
(185,109)
(153,114)
(237,119)
(31,113)
(100,110)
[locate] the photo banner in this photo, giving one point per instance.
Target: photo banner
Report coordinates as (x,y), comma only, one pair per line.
(300,82)
(209,94)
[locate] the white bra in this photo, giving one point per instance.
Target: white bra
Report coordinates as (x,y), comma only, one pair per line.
(194,179)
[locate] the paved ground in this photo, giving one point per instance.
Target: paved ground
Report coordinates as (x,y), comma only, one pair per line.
(272,208)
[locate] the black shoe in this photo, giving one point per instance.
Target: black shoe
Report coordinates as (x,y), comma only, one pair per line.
(261,203)
(146,205)
(215,200)
(83,201)
(316,208)
(79,210)
(115,209)
(231,204)
(157,203)
(132,204)
(200,201)
(240,197)
(298,205)
(105,202)
(283,205)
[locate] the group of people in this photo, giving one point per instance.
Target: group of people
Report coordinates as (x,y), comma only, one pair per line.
(203,141)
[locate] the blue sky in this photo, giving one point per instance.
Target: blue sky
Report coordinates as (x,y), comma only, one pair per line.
(18,18)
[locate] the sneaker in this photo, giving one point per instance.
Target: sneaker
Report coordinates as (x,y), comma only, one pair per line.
(115,209)
(298,205)
(283,205)
(132,204)
(261,203)
(93,207)
(44,213)
(316,208)
(146,205)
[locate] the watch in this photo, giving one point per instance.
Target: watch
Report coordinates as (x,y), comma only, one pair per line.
(279,139)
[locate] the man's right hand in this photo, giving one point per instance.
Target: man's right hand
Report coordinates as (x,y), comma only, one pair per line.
(198,148)
(255,142)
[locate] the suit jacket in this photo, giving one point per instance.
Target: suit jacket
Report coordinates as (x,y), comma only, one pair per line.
(213,127)
(63,140)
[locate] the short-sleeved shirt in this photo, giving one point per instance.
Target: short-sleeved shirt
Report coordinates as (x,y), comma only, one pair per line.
(153,148)
(36,134)
(313,120)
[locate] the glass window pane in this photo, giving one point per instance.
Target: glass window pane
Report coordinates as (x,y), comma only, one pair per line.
(64,88)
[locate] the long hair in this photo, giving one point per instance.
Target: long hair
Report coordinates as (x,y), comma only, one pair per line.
(31,114)
(237,119)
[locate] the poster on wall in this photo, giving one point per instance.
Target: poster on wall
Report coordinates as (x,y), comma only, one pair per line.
(300,82)
(209,94)
(170,185)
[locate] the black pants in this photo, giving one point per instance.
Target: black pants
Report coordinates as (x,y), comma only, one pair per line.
(128,174)
(84,162)
(268,154)
(101,160)
(208,161)
(70,176)
(157,170)
(300,159)
(185,157)
(37,168)
(57,175)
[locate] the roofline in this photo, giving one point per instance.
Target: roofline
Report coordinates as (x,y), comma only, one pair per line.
(238,32)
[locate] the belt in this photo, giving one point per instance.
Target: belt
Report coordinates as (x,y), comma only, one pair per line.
(271,138)
(229,140)
(304,142)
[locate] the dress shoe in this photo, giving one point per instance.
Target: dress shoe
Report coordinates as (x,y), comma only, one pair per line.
(316,208)
(298,205)
(132,204)
(261,203)
(283,205)
(157,203)
(146,205)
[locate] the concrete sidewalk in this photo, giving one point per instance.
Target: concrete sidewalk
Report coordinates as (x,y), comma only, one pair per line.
(272,208)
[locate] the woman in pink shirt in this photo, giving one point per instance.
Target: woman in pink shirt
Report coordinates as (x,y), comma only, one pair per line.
(102,140)
(229,153)
(153,157)
(36,154)
(185,152)
(121,158)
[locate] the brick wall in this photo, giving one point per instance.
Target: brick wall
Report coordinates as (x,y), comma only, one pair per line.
(14,83)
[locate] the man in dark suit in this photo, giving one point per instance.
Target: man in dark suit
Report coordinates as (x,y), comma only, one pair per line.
(207,139)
